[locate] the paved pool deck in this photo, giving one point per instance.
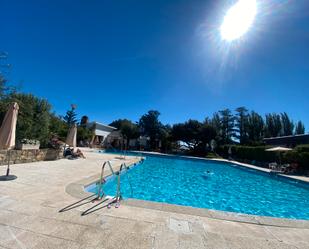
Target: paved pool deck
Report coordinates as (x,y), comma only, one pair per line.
(30,217)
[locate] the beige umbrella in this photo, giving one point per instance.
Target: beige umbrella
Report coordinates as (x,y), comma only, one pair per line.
(71,138)
(279,149)
(7,136)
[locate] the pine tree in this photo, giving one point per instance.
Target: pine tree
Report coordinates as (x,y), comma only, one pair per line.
(241,124)
(70,117)
(287,125)
(227,125)
(300,128)
(255,127)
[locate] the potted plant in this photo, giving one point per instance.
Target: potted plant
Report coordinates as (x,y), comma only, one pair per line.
(28,144)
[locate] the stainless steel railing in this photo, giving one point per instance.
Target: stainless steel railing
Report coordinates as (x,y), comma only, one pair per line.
(118,193)
(102,180)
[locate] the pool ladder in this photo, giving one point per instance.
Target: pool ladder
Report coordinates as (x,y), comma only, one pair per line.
(118,196)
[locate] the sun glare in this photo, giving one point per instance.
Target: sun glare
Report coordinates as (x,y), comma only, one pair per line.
(238,19)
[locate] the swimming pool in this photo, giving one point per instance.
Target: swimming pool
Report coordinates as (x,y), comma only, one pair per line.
(212,185)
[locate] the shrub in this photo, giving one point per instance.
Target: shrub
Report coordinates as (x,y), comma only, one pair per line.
(257,153)
(302,148)
(304,161)
(299,155)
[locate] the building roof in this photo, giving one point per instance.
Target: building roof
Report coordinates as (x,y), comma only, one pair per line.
(288,140)
(101,124)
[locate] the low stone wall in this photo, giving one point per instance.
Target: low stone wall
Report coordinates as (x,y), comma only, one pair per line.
(27,156)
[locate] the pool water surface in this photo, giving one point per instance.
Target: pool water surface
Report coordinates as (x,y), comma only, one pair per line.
(212,185)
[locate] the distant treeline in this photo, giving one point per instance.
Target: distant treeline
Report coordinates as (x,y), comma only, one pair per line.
(224,127)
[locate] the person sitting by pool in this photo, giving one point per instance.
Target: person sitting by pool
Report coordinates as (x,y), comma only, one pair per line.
(79,153)
(291,168)
(70,154)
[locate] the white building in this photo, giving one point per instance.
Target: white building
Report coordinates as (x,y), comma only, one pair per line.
(101,131)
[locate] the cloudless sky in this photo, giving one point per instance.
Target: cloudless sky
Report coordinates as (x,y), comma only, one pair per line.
(119,59)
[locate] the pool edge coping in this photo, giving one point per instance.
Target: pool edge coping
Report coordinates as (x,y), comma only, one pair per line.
(78,190)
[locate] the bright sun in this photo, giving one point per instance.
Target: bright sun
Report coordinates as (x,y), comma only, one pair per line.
(238,19)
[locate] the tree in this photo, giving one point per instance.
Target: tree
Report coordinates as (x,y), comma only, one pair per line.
(215,122)
(227,126)
(165,138)
(84,120)
(287,125)
(195,135)
(151,126)
(58,127)
(188,132)
(33,117)
(2,86)
(299,128)
(273,125)
(41,116)
(70,117)
(255,128)
(241,124)
(128,129)
(207,133)
(84,134)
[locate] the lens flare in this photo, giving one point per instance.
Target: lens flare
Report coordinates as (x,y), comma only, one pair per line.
(238,19)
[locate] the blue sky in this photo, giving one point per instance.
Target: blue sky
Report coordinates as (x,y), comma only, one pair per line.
(118,59)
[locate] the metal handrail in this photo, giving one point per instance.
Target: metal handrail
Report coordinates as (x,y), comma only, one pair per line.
(102,180)
(118,193)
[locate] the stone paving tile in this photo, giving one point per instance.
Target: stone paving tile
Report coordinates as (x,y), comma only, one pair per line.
(68,231)
(23,207)
(290,235)
(74,217)
(54,243)
(236,242)
(165,238)
(137,213)
(127,240)
(10,218)
(125,233)
(299,245)
(242,229)
(38,225)
(192,241)
(93,237)
(21,239)
(216,241)
(15,238)
(8,235)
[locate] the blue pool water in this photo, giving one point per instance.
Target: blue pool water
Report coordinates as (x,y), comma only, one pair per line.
(225,187)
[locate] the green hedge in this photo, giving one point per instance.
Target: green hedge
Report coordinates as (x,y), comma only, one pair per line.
(302,148)
(260,156)
(257,153)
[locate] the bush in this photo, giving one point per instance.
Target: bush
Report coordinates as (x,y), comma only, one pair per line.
(299,155)
(302,148)
(33,117)
(304,161)
(249,153)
